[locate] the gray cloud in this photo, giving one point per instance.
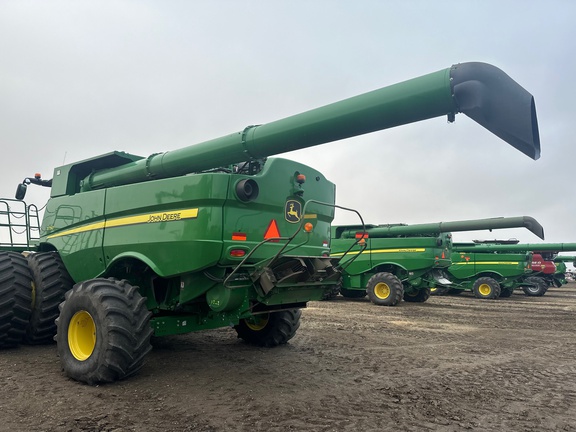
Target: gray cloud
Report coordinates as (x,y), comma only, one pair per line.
(78,79)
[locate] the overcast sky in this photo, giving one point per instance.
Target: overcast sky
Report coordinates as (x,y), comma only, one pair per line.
(81,78)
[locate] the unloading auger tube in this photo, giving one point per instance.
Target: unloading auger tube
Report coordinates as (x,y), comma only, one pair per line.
(533,247)
(481,91)
(465,225)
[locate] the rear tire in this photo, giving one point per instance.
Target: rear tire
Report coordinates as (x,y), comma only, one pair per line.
(385,289)
(103,331)
(271,329)
(418,296)
(15,298)
(486,288)
(537,287)
(506,292)
(50,282)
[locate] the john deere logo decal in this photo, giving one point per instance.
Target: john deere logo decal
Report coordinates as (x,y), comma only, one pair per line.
(293,211)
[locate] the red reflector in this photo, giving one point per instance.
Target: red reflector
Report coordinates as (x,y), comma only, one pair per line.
(237,252)
(272,230)
(361,235)
(238,236)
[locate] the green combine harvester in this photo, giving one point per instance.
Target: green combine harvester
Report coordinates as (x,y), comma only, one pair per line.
(215,234)
(404,261)
(495,269)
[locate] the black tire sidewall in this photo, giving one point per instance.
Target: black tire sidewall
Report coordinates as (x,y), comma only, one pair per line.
(77,369)
(395,285)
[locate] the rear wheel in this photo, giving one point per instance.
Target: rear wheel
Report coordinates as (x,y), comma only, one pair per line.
(270,329)
(417,296)
(486,288)
(506,292)
(385,289)
(103,331)
(15,298)
(536,287)
(50,281)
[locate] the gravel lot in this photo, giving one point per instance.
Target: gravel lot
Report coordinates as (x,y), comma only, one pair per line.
(450,364)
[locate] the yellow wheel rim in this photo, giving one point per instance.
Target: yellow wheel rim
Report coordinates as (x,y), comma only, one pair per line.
(258,322)
(82,335)
(382,290)
(484,289)
(433,289)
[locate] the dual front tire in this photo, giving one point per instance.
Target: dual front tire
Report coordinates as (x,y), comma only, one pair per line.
(15,298)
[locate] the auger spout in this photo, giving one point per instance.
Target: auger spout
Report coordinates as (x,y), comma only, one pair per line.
(381,231)
(479,90)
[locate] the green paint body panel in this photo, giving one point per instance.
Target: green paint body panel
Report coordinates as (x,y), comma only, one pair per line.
(506,268)
(417,254)
(177,223)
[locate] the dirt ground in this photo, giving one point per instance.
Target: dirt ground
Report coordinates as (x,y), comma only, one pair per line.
(450,364)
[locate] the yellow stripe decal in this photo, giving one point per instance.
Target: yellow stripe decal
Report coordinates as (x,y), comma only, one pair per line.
(404,250)
(487,263)
(169,216)
(412,250)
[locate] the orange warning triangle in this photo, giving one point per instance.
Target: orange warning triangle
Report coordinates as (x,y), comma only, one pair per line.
(272,230)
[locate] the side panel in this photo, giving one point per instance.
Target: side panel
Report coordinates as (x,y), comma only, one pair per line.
(278,212)
(467,265)
(412,254)
(174,224)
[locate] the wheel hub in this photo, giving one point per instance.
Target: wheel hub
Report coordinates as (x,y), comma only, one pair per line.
(382,290)
(484,289)
(258,322)
(82,335)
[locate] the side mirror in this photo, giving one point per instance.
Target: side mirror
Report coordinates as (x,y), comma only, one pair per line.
(21,191)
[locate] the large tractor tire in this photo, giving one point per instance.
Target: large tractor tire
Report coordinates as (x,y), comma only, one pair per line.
(417,296)
(506,292)
(270,329)
(486,288)
(15,298)
(103,331)
(537,287)
(50,281)
(385,289)
(353,293)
